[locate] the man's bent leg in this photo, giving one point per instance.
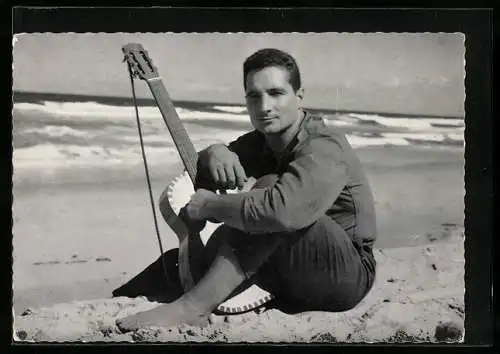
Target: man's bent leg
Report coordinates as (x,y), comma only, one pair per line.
(221,280)
(316,268)
(250,250)
(321,269)
(223,277)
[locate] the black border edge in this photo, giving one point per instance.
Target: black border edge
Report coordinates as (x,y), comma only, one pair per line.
(476,24)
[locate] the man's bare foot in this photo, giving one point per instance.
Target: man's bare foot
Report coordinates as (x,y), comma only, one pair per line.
(175,313)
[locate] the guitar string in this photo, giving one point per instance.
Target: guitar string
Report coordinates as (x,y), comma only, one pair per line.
(184,148)
(144,159)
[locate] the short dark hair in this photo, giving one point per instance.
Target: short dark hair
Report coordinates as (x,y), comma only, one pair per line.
(272,57)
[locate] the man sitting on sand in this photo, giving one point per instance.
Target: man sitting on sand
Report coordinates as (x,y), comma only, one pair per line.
(304,233)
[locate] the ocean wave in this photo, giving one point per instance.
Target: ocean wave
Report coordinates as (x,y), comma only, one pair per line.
(231,109)
(408,123)
(91,133)
(217,113)
(358,141)
(116,136)
(65,135)
(52,155)
(54,147)
(52,130)
(99,110)
(163,152)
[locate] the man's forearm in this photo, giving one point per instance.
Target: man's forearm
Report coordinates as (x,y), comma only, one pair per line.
(226,208)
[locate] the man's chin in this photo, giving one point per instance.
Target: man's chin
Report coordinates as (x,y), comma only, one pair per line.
(269,130)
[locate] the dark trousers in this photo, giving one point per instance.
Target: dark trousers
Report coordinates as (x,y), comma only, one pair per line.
(318,268)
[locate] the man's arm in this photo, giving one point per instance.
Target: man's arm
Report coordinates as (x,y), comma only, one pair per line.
(224,166)
(308,187)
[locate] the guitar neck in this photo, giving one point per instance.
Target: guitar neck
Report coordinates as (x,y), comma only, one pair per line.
(179,134)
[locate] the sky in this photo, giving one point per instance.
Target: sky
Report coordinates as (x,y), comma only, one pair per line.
(385,72)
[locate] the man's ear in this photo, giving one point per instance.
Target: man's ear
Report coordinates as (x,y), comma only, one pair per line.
(300,94)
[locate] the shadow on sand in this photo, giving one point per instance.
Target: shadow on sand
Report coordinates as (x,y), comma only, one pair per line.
(153,283)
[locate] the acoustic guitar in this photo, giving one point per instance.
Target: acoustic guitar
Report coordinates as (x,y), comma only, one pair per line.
(178,192)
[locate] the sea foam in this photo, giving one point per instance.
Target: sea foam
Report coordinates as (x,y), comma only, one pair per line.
(50,133)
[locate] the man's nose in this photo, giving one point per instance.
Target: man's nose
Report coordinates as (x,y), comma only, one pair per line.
(265,104)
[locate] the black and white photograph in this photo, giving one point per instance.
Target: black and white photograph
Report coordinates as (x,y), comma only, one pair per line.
(238,187)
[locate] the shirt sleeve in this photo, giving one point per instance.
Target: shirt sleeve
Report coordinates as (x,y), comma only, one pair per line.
(308,187)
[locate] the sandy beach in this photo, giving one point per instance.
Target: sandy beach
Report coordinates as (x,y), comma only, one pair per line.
(417,297)
(75,242)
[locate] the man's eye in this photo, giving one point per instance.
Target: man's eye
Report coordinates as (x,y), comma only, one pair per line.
(252,96)
(275,93)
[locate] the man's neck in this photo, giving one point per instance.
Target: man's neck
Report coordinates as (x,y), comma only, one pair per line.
(279,142)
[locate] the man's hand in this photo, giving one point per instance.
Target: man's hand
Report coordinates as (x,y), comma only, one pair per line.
(224,167)
(191,212)
(194,226)
(195,207)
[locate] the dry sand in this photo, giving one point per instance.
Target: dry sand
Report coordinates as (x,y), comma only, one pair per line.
(418,296)
(76,242)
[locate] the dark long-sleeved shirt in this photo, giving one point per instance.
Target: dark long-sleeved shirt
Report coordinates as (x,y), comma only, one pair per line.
(319,173)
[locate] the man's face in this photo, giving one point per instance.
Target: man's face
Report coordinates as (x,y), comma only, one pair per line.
(272,103)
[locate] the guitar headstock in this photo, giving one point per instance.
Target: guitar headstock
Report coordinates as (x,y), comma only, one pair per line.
(139,61)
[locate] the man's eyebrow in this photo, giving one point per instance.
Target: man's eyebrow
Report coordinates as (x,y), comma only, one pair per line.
(271,89)
(276,89)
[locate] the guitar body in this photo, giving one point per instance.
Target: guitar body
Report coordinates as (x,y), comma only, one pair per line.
(175,196)
(180,190)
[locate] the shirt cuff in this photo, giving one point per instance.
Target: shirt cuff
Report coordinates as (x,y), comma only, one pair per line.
(226,208)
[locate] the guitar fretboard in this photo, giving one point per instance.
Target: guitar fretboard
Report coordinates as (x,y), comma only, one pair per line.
(179,134)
